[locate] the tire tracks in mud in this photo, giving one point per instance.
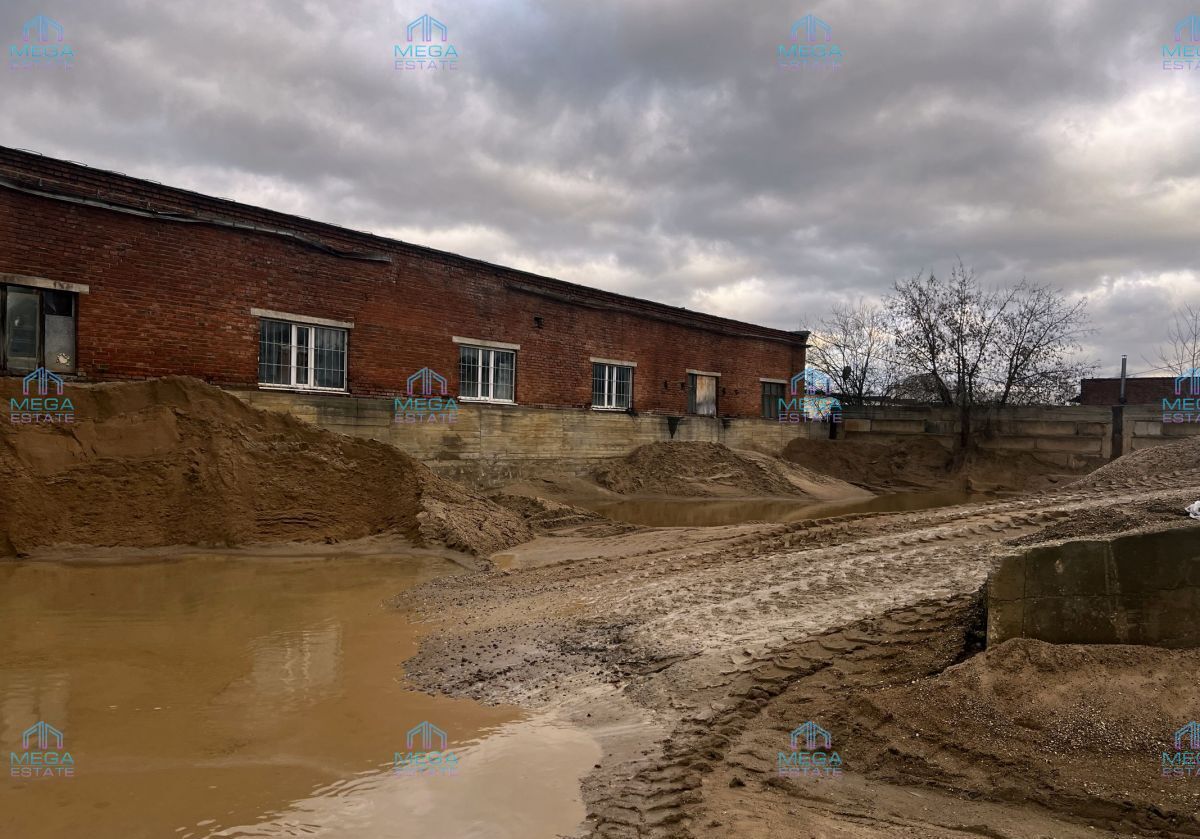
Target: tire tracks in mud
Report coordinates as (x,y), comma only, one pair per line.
(830,677)
(685,642)
(662,796)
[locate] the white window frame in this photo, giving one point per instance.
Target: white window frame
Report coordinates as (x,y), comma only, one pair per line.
(610,384)
(494,349)
(312,325)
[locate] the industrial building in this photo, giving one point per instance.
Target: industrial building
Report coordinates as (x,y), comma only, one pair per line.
(109,277)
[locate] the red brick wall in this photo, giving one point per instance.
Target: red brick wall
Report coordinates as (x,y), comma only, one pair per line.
(168,297)
(1142,391)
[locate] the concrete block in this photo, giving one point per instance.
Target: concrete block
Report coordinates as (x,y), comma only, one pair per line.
(895,426)
(1079,445)
(1134,589)
(1069,570)
(1148,429)
(1175,430)
(1009,444)
(1044,427)
(1066,620)
(1007,582)
(1005,619)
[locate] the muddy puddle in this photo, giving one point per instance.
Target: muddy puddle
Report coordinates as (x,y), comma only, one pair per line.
(706,512)
(245,696)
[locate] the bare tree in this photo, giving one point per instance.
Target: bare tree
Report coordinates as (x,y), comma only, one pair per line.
(853,347)
(1038,342)
(974,346)
(1182,350)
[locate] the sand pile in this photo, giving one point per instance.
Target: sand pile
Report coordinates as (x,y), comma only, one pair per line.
(1107,519)
(1006,469)
(544,514)
(919,462)
(712,470)
(1077,728)
(175,461)
(924,463)
(1033,739)
(1180,459)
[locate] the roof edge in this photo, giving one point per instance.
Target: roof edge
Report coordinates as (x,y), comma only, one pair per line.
(797,337)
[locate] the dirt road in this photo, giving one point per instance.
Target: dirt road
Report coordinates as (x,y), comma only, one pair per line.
(685,650)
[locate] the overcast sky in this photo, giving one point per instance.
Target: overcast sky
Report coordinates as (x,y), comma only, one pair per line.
(655,147)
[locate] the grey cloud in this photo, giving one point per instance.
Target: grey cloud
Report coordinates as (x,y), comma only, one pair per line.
(656,149)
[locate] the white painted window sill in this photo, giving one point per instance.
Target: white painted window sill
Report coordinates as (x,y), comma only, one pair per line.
(301,389)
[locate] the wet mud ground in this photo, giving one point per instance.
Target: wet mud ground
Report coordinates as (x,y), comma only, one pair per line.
(690,653)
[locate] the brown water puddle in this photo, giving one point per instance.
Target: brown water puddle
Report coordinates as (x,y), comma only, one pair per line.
(706,512)
(242,696)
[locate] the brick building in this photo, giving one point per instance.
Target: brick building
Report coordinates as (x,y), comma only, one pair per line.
(1145,390)
(105,276)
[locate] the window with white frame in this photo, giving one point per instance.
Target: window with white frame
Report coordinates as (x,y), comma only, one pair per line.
(487,375)
(612,386)
(301,356)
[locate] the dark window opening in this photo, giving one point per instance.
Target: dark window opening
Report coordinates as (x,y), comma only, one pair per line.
(37,329)
(772,393)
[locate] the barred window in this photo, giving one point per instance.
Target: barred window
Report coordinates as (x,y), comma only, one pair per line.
(301,356)
(487,375)
(612,386)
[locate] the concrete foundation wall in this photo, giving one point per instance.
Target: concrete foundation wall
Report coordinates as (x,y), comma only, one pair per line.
(489,445)
(1138,589)
(1071,436)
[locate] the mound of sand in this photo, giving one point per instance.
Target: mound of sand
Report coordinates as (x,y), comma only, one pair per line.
(1109,519)
(712,470)
(175,461)
(1024,695)
(1180,458)
(544,514)
(1080,729)
(917,462)
(1033,739)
